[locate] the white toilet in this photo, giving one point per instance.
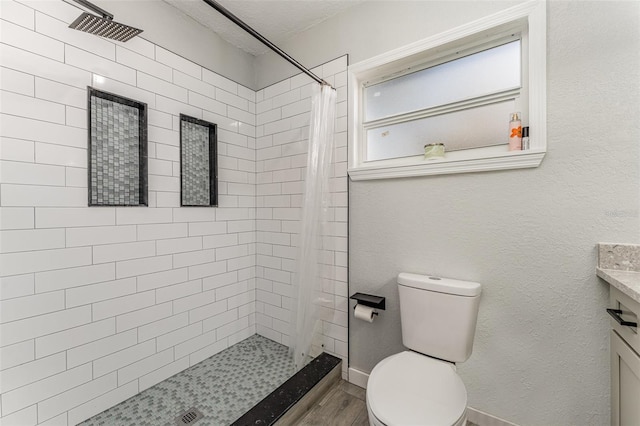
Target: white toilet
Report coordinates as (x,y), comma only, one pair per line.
(420,387)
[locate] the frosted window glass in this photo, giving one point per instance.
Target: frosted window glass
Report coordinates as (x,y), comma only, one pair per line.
(490,71)
(471,128)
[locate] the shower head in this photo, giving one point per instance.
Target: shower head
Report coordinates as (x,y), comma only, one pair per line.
(103,26)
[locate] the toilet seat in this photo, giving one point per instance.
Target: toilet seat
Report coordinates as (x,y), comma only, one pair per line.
(410,389)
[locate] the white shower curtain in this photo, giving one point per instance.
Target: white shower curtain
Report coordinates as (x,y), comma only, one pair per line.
(307,287)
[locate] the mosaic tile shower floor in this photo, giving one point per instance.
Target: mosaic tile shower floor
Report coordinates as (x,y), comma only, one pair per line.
(222,387)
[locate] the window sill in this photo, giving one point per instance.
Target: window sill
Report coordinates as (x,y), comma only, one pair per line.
(530,14)
(467,161)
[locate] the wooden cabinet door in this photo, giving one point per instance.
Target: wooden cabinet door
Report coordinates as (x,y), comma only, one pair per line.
(625,383)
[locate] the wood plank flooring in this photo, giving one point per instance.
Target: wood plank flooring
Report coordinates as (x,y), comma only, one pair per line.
(343,405)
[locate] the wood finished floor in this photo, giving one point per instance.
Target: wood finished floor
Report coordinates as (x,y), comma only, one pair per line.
(343,405)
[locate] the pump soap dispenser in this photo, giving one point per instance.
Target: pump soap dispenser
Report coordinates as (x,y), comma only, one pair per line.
(515,132)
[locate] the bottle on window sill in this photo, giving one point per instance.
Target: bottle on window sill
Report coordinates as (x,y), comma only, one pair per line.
(525,138)
(515,132)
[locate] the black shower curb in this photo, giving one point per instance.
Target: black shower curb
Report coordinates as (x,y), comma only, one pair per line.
(268,411)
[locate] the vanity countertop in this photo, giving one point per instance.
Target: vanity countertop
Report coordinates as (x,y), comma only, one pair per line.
(627,282)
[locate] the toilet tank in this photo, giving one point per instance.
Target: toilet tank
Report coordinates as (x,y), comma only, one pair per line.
(438,315)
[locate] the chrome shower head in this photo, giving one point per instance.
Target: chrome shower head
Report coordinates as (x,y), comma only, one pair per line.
(103,26)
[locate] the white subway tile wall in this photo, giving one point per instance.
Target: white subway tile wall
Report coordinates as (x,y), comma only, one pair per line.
(98,304)
(281,158)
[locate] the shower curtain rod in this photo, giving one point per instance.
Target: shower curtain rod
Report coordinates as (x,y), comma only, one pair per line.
(233,18)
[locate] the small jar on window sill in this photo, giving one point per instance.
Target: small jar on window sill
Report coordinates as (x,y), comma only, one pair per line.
(434,151)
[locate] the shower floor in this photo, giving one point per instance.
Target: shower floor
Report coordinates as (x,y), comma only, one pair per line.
(222,387)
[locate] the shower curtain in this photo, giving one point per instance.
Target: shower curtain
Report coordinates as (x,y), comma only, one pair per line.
(307,288)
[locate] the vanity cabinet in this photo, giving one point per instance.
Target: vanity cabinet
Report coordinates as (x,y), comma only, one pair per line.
(625,362)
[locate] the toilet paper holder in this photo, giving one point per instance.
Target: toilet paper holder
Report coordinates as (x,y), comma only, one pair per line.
(376,302)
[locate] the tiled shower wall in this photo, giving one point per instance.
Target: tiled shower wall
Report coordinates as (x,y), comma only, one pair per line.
(101,303)
(281,158)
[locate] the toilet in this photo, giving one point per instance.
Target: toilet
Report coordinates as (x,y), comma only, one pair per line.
(420,386)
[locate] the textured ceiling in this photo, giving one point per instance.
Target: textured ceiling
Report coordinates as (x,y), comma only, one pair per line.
(277,20)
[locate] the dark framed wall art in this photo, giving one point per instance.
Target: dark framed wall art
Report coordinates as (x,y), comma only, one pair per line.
(117,151)
(198,162)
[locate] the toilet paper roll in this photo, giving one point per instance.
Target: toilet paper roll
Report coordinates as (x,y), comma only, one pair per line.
(364,313)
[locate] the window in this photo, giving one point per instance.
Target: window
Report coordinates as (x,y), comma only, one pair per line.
(457,88)
(441,103)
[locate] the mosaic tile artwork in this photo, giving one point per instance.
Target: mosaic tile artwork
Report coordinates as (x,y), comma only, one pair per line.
(222,387)
(196,180)
(115,153)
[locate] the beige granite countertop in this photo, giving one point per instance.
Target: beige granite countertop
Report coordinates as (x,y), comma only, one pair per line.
(627,282)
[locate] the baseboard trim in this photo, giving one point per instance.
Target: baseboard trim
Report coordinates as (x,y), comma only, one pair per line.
(483,419)
(358,378)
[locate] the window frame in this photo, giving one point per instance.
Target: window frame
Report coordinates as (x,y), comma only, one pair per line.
(529,19)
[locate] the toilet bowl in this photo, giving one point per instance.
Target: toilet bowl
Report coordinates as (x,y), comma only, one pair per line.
(411,389)
(420,387)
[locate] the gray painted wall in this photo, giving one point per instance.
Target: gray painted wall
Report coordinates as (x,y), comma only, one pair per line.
(369,29)
(541,355)
(170,28)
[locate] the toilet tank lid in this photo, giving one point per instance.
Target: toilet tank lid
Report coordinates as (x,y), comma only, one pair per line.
(439,284)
